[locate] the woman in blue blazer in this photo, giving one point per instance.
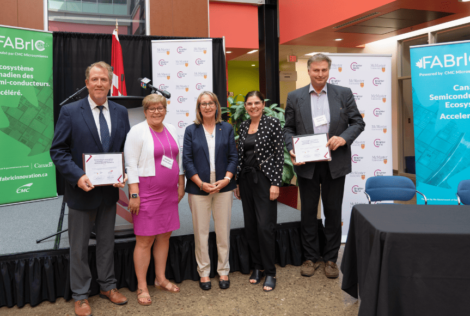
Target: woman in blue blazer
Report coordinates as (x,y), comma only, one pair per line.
(210,160)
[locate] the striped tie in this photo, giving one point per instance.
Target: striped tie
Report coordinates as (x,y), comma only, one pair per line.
(104,130)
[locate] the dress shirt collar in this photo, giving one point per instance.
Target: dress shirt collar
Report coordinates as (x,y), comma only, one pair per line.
(93,105)
(311,89)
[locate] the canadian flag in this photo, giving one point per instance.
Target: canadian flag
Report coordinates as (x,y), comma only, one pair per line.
(119,82)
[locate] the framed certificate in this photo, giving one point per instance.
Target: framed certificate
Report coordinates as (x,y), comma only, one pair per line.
(104,168)
(311,148)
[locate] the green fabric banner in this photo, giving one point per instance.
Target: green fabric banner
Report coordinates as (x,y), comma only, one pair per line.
(26,116)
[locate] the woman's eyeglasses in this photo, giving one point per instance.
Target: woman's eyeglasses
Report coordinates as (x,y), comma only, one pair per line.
(153,110)
(208,105)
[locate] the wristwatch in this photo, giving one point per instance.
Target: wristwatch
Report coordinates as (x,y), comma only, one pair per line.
(134,195)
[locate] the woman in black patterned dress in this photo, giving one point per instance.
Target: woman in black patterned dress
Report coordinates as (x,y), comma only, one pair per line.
(259,175)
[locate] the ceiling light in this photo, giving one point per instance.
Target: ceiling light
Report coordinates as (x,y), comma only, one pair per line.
(311,54)
(253,51)
(253,65)
(228,52)
(464,0)
(340,39)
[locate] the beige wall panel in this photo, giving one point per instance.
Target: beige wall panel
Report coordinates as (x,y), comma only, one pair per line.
(161,18)
(193,18)
(31,14)
(286,86)
(179,18)
(9,12)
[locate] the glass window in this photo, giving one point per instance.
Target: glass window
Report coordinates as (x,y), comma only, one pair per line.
(97,16)
(455,35)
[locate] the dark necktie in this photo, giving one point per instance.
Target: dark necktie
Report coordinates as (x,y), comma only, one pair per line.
(104,130)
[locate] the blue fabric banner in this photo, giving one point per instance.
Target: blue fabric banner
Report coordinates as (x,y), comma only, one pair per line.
(440,76)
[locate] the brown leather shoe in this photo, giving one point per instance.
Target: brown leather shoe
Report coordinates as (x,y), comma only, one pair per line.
(331,270)
(308,268)
(114,296)
(82,308)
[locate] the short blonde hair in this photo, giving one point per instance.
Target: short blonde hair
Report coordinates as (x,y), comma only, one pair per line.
(153,99)
(102,65)
(218,116)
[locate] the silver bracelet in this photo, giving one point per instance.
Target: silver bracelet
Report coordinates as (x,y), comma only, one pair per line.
(229,179)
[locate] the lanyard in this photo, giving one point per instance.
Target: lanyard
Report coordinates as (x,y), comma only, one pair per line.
(164,129)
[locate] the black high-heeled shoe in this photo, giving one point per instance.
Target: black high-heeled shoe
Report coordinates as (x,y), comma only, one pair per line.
(257,275)
(206,286)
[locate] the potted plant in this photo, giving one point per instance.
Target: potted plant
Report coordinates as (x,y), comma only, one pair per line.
(237,114)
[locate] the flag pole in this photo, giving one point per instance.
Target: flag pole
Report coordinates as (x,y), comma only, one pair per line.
(116,26)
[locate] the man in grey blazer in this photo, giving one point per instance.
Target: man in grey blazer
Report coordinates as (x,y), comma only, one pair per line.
(314,109)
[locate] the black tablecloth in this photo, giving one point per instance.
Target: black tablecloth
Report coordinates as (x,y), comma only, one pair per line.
(409,259)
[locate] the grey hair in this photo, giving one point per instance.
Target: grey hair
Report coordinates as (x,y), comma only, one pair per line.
(318,58)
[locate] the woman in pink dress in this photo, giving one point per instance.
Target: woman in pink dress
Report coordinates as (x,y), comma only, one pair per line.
(156,185)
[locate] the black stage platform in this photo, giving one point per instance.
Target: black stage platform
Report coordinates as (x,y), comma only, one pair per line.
(31,273)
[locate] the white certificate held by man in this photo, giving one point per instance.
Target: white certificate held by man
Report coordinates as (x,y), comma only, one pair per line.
(311,148)
(104,168)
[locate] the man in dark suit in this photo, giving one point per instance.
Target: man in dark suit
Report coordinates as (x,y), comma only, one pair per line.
(314,109)
(90,125)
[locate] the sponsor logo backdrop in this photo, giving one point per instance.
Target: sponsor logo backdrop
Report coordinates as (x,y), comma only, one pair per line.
(26,116)
(441,114)
(184,68)
(369,78)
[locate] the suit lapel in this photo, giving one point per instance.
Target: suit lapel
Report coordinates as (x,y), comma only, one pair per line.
(335,107)
(114,122)
(202,136)
(90,122)
(219,136)
(306,110)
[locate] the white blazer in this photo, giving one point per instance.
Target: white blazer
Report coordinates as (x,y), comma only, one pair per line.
(139,152)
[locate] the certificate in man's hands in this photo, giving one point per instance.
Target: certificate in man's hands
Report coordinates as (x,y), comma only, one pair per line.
(104,168)
(310,148)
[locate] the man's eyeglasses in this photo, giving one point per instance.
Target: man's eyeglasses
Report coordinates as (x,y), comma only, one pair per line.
(153,110)
(208,105)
